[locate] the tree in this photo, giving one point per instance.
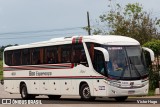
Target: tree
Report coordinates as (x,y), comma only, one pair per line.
(2,49)
(154,70)
(129,21)
(155,46)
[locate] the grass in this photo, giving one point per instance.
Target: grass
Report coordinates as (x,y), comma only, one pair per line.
(1,69)
(151,93)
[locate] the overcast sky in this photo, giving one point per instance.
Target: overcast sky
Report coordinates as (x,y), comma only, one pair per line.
(38,20)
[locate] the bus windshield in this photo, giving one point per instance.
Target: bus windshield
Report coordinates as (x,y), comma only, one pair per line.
(126,62)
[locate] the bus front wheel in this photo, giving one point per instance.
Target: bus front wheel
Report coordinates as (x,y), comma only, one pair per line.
(85,93)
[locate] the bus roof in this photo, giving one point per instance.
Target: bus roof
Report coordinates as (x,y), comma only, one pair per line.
(112,40)
(101,39)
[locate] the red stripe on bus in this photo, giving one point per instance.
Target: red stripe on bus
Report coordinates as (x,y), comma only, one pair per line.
(73,40)
(64,65)
(59,65)
(58,77)
(35,69)
(41,67)
(80,40)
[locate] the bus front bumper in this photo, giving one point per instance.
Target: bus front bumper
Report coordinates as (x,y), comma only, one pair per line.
(127,91)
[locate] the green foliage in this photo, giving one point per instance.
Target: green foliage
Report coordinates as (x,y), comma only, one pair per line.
(133,8)
(1,58)
(1,70)
(2,49)
(154,45)
(129,21)
(1,55)
(154,70)
(153,80)
(151,92)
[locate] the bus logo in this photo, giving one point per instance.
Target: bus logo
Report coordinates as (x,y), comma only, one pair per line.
(131,83)
(13,73)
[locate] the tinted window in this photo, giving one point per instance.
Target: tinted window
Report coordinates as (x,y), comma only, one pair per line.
(8,57)
(35,56)
(99,63)
(90,47)
(78,54)
(17,57)
(70,53)
(25,57)
(51,55)
(66,53)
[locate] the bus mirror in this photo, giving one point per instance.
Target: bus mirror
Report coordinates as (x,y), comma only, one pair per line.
(150,52)
(104,51)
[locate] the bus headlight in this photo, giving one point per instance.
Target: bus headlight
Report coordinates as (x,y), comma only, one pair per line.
(115,84)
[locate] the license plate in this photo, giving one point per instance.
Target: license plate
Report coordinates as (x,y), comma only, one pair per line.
(131,91)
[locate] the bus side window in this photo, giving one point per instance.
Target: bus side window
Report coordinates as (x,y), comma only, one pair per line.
(90,47)
(51,55)
(41,55)
(99,63)
(17,57)
(8,58)
(66,53)
(91,51)
(35,56)
(59,54)
(78,55)
(25,57)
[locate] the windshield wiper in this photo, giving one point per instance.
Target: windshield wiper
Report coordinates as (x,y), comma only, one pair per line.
(124,69)
(137,72)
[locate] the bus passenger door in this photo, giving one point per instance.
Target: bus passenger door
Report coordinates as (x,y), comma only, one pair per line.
(99,66)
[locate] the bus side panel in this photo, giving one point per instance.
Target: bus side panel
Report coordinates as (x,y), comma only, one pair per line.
(11,86)
(75,86)
(100,87)
(33,86)
(44,87)
(66,87)
(54,87)
(8,86)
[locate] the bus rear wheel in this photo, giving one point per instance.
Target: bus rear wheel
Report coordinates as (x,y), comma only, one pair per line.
(24,93)
(85,93)
(54,97)
(121,99)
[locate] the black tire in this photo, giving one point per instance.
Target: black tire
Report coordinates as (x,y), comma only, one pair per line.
(121,99)
(24,93)
(85,93)
(54,97)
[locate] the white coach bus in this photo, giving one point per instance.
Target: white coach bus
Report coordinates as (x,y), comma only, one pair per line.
(88,66)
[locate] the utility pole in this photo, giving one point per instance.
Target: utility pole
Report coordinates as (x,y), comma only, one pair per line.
(89,28)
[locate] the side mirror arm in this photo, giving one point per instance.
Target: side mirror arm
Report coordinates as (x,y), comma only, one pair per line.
(150,51)
(104,51)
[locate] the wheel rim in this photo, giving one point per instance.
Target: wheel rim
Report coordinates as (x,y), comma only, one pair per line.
(86,92)
(23,92)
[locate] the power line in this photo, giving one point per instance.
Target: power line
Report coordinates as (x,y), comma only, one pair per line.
(49,35)
(41,31)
